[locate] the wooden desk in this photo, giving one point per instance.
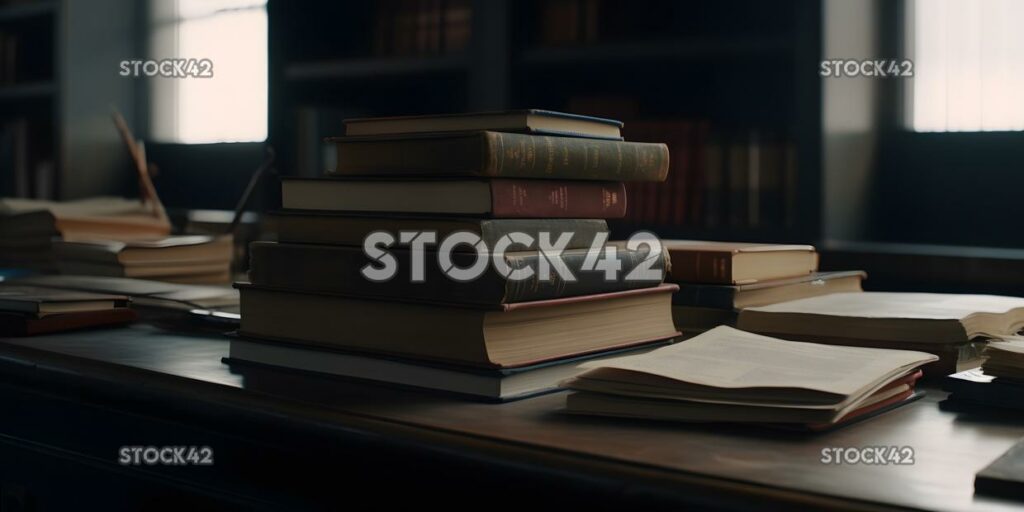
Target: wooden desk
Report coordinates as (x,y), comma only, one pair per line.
(147,375)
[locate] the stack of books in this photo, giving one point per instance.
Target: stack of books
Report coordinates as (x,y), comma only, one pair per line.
(952,326)
(28,310)
(194,259)
(727,375)
(377,274)
(28,227)
(997,386)
(718,279)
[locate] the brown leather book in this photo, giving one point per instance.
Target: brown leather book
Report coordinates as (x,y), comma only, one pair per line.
(737,263)
(490,198)
(17,324)
(502,336)
(500,155)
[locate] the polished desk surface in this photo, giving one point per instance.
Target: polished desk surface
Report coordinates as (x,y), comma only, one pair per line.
(948,449)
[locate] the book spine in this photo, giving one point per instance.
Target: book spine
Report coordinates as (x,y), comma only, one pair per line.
(586,282)
(514,155)
(702,267)
(582,231)
(543,198)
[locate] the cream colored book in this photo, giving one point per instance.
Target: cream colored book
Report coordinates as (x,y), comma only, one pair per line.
(920,318)
(730,375)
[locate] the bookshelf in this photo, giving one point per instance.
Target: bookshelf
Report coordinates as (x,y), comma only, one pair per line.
(738,76)
(58,80)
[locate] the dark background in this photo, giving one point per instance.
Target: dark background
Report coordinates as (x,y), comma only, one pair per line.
(705,77)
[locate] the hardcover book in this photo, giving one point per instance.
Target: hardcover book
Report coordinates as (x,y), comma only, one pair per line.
(504,336)
(501,155)
(738,263)
(489,198)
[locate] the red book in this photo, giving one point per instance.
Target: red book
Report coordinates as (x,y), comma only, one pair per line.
(500,198)
(18,324)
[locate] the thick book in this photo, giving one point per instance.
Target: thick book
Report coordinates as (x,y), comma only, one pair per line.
(542,122)
(351,230)
(19,324)
(762,293)
(1004,477)
(924,318)
(487,198)
(337,269)
(501,155)
(500,385)
(509,335)
(40,302)
(172,250)
(738,263)
(728,375)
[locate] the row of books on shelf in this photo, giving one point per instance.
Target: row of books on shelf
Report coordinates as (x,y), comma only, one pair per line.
(720,177)
(421,27)
(26,158)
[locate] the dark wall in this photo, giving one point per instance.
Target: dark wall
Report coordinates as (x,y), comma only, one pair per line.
(950,188)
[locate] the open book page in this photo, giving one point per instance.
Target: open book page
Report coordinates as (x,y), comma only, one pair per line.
(729,358)
(934,306)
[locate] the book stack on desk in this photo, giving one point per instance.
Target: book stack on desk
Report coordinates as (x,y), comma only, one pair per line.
(321,299)
(28,227)
(954,327)
(718,279)
(997,386)
(194,259)
(727,375)
(29,310)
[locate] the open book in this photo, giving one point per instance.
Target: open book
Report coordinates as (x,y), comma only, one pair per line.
(730,375)
(923,318)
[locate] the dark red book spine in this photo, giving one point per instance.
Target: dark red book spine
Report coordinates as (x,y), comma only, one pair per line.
(557,199)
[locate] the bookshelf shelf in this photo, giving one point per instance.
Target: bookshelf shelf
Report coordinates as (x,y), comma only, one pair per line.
(374,67)
(702,48)
(27,91)
(20,11)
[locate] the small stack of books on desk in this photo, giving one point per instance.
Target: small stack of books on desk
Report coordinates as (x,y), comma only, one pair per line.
(28,227)
(190,259)
(718,279)
(998,386)
(727,375)
(367,279)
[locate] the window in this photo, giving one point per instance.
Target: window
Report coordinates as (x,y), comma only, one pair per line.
(968,65)
(229,106)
